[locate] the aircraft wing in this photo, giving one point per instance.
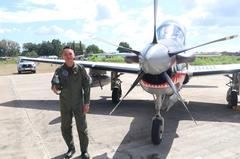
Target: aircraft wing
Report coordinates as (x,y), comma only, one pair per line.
(108,66)
(213,69)
(117,54)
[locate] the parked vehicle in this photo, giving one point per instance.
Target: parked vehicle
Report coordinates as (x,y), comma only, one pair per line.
(26,66)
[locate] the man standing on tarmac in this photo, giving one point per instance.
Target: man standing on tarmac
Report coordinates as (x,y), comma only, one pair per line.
(72,84)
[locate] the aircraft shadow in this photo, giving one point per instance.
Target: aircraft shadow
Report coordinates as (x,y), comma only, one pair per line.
(142,111)
(33,104)
(138,136)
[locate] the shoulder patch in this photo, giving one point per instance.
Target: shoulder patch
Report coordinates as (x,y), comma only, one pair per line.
(65,73)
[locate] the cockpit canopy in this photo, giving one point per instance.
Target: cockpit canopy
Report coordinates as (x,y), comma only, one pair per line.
(171,30)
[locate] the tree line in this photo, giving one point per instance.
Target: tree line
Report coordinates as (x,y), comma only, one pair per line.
(9,48)
(45,48)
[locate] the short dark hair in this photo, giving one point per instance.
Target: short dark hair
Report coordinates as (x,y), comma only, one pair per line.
(67,47)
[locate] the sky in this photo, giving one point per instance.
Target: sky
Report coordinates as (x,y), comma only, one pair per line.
(119,20)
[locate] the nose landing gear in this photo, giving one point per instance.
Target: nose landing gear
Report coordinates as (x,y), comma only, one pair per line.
(157,122)
(157,129)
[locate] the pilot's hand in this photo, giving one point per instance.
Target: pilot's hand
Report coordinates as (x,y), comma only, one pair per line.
(55,90)
(86,108)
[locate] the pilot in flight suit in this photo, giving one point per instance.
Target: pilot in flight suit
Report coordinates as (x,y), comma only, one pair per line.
(74,84)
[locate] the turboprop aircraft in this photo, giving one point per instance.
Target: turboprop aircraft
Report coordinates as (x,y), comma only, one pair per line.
(161,71)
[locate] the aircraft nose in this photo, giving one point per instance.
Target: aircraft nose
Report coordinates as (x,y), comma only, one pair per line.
(155,59)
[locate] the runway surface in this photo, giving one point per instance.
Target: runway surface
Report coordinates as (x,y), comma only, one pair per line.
(30,122)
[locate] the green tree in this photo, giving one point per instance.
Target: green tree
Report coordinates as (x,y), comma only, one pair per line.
(45,49)
(93,49)
(13,48)
(3,47)
(81,47)
(30,54)
(57,47)
(78,48)
(9,48)
(73,46)
(125,45)
(29,47)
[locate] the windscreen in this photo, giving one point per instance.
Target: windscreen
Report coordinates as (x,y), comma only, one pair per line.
(171,30)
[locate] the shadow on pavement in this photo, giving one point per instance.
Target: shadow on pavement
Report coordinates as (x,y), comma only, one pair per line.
(142,111)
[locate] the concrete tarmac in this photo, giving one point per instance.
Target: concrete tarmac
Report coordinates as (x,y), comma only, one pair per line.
(30,122)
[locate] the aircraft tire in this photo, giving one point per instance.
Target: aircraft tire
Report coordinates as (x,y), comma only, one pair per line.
(233,99)
(116,94)
(157,131)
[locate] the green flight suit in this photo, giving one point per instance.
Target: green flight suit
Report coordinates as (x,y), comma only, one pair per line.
(74,84)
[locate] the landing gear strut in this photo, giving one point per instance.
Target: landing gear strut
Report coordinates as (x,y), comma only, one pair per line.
(116,87)
(233,91)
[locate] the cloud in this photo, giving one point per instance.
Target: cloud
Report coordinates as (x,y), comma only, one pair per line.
(73,35)
(4,30)
(49,30)
(108,20)
(36,11)
(8,30)
(210,20)
(102,12)
(213,12)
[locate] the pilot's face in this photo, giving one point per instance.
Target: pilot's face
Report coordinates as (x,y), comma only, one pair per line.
(68,55)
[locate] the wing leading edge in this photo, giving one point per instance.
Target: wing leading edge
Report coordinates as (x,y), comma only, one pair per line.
(118,67)
(134,68)
(213,69)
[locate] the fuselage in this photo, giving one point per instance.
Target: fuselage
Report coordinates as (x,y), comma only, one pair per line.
(155,60)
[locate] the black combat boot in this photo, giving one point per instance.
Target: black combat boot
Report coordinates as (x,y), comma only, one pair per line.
(69,153)
(85,155)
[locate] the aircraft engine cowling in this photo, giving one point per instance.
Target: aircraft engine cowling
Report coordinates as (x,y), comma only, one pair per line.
(155,59)
(99,78)
(131,59)
(185,58)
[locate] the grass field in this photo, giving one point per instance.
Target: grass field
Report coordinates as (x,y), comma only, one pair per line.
(217,60)
(210,60)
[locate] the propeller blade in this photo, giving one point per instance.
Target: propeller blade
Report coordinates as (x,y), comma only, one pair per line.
(214,41)
(109,43)
(155,19)
(171,84)
(130,89)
